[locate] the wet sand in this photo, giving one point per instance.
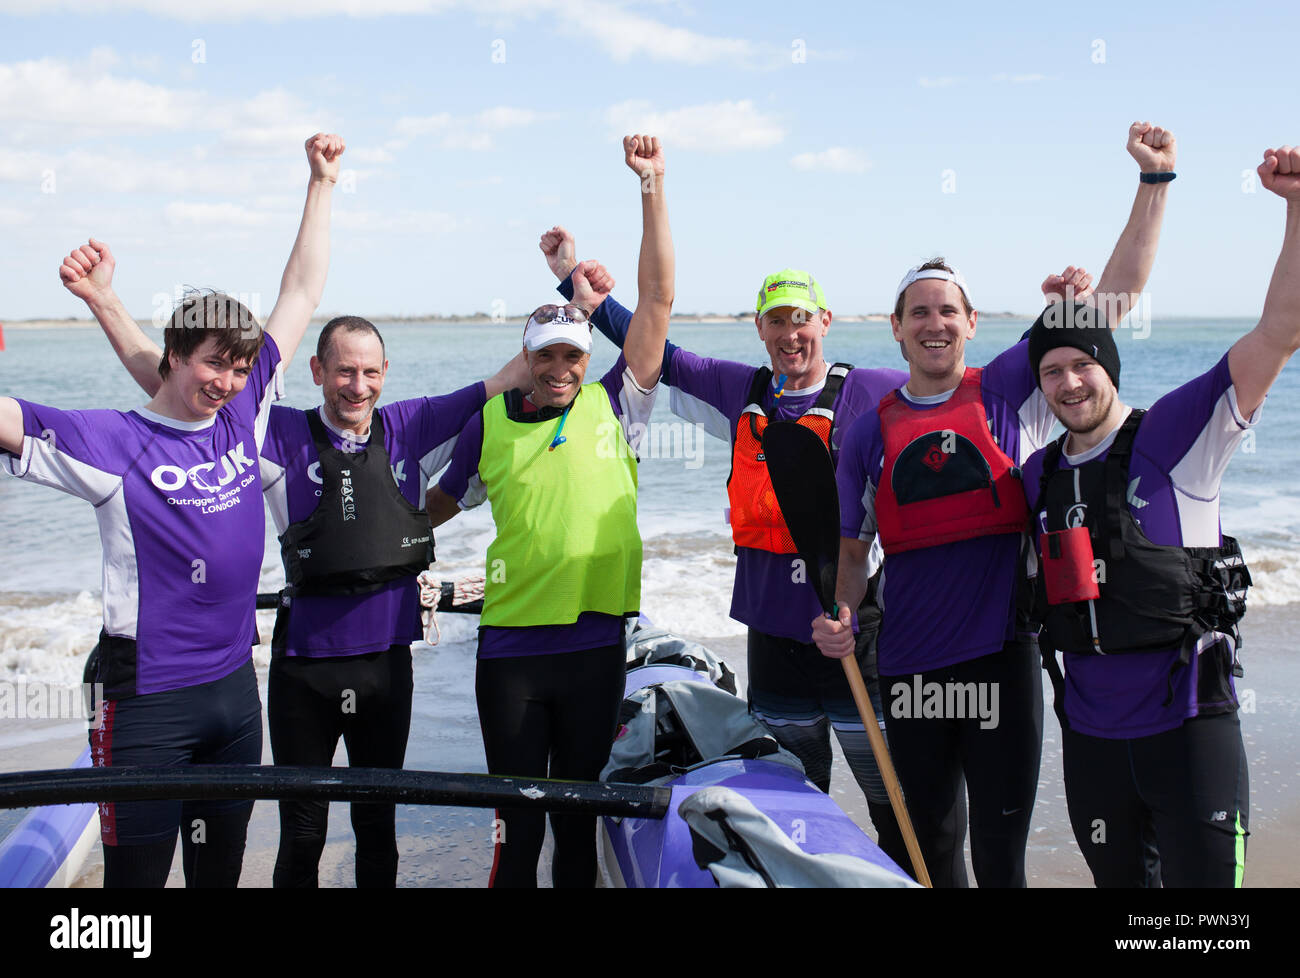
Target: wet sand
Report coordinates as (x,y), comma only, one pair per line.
(451,847)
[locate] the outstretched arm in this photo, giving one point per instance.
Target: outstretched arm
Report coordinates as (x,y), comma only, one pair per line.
(1126,274)
(304,275)
(1257,358)
(87,273)
(644,347)
(514,375)
(440,506)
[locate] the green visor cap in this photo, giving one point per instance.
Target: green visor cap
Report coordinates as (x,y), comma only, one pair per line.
(789,287)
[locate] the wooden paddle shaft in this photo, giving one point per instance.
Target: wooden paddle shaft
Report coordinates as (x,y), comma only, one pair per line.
(886,765)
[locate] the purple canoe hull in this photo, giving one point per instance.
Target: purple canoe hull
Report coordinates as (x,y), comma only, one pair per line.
(658,853)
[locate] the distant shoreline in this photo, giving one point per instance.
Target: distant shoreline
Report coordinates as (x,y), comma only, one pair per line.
(475,319)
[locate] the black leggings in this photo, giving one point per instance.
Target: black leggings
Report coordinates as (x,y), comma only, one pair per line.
(1183,794)
(311,702)
(548,716)
(937,744)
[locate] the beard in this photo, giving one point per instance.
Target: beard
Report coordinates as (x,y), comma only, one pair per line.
(1103,401)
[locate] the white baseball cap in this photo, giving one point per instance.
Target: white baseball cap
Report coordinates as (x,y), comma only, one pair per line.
(551,324)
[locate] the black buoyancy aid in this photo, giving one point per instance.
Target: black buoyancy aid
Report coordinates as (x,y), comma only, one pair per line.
(944,477)
(756,518)
(363,532)
(1151,598)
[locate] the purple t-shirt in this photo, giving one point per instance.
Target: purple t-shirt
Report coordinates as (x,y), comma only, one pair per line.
(632,405)
(1180,453)
(419,435)
(180,520)
(956,601)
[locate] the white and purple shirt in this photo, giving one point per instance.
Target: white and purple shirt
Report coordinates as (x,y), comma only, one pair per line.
(419,435)
(957,601)
(632,405)
(179,506)
(1180,452)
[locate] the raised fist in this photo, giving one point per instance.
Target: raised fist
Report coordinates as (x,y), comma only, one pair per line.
(88,271)
(558,246)
(1154,148)
(323,153)
(1280,171)
(1072,285)
(642,154)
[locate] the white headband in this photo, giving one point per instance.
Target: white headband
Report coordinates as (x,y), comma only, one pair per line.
(916,273)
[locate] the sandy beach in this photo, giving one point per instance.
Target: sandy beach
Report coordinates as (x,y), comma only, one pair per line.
(448,847)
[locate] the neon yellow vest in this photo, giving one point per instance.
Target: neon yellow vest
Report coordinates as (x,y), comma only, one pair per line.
(567,539)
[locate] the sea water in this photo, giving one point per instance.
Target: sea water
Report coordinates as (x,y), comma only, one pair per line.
(49,547)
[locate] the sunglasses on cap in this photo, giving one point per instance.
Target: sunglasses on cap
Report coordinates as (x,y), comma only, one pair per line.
(550,312)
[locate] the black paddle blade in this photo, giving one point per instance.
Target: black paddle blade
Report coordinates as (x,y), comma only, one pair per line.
(804,480)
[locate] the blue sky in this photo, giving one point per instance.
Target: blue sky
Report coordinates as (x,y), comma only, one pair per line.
(810,135)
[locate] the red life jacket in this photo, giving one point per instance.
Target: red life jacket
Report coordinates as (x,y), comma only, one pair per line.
(756,519)
(944,477)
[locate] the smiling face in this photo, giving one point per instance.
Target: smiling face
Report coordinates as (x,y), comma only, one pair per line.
(351,378)
(1078,390)
(197,386)
(933,331)
(793,338)
(557,372)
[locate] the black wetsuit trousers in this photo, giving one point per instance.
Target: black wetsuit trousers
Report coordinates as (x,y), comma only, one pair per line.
(311,702)
(552,715)
(946,753)
(1183,792)
(218,722)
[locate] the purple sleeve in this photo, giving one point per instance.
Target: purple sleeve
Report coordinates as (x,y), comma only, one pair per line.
(852,477)
(1021,418)
(1180,419)
(464,459)
(263,386)
(423,424)
(94,438)
(708,391)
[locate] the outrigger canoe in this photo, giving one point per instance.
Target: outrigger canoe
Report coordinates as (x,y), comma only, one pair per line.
(742,813)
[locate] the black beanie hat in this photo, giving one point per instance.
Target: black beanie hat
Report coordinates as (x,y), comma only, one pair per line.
(1078,325)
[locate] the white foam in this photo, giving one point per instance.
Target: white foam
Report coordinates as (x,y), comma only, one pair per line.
(1275,572)
(47,641)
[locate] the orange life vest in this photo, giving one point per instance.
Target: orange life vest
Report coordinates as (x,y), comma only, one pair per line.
(756,519)
(945,478)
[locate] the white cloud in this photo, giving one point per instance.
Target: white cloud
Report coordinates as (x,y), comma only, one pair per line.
(39,92)
(942,82)
(625,35)
(712,126)
(82,173)
(36,100)
(468,132)
(609,27)
(836,159)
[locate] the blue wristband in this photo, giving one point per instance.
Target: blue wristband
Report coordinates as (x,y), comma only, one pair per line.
(1164,177)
